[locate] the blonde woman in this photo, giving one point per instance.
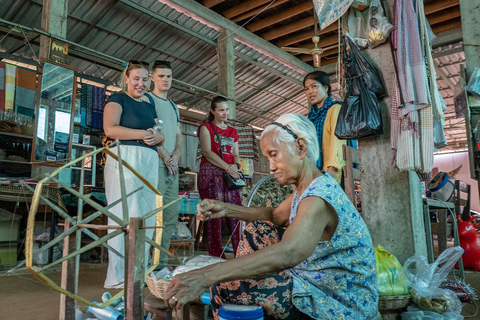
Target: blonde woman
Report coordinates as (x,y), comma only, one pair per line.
(128,118)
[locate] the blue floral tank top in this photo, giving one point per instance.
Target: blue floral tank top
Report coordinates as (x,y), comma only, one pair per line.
(338,281)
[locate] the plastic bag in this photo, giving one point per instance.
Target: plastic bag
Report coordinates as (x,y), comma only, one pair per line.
(182,231)
(197,263)
(378,26)
(425,279)
(474,82)
(356,27)
(358,65)
(360,115)
(389,278)
(413,313)
(360,4)
(328,11)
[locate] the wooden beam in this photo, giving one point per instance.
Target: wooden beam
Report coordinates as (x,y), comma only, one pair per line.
(436,6)
(210,18)
(211,3)
(443,16)
(257,10)
(451,25)
(243,7)
(271,20)
(298,25)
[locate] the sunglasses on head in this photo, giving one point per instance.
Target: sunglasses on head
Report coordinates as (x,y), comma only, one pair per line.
(138,62)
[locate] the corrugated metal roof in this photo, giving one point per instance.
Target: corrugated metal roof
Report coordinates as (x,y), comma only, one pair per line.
(150,30)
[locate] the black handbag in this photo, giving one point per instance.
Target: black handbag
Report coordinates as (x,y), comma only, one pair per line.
(230,181)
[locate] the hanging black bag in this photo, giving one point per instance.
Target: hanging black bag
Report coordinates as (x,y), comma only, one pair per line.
(360,114)
(230,181)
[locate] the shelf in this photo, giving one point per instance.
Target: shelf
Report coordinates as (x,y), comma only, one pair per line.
(77,168)
(16,135)
(16,162)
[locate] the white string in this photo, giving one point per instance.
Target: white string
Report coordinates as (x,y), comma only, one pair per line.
(228,35)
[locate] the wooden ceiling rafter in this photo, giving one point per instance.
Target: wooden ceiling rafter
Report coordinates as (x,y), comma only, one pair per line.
(284,15)
(211,3)
(253,12)
(243,7)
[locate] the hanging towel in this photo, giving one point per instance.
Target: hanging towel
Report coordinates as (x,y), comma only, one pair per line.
(25,90)
(2,86)
(89,116)
(10,72)
(98,104)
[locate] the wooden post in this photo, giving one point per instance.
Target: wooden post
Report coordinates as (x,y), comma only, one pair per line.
(67,305)
(135,271)
(158,232)
(54,21)
(226,68)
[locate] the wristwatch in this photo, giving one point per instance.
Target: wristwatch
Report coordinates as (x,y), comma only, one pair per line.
(238,165)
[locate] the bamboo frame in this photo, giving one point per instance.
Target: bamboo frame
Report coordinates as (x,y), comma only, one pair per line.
(83,226)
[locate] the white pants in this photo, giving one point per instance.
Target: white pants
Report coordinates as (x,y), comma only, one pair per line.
(145,162)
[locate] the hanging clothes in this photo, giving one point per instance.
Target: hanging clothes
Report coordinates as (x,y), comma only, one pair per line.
(413,133)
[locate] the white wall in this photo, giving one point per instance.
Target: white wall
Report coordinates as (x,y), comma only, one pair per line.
(450,161)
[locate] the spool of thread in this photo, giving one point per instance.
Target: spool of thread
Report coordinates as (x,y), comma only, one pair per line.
(206,298)
(237,312)
(105,314)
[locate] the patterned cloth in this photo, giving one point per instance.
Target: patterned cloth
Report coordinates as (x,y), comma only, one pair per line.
(25,90)
(338,281)
(273,293)
(317,116)
(10,74)
(211,186)
(98,104)
(2,86)
(247,142)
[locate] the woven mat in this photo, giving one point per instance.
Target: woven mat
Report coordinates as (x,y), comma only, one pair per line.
(22,194)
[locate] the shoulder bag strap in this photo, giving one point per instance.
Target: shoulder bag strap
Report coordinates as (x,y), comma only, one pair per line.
(151,100)
(218,137)
(174,109)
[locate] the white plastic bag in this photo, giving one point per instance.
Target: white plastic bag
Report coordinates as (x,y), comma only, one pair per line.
(356,27)
(197,263)
(378,26)
(425,279)
(182,231)
(474,82)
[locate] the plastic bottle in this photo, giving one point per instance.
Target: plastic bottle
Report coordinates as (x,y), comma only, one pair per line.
(158,125)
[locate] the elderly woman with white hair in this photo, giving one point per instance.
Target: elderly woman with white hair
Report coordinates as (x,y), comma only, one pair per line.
(323,266)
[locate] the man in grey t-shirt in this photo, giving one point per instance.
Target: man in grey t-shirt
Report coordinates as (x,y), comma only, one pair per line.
(170,152)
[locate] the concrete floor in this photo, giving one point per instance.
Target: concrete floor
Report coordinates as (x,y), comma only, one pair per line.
(23,297)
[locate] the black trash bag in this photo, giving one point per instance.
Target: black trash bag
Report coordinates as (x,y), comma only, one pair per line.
(358,65)
(360,115)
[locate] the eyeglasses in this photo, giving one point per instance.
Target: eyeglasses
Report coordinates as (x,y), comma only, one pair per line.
(138,62)
(161,63)
(286,129)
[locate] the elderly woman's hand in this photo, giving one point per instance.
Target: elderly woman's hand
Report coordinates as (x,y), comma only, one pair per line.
(184,288)
(154,139)
(210,209)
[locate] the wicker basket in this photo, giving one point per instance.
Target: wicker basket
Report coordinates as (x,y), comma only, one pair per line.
(157,287)
(393,302)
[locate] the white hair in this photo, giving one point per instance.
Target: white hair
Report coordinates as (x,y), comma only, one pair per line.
(302,127)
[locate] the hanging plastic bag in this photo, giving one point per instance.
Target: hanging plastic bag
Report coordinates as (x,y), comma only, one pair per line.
(389,274)
(356,27)
(328,11)
(378,26)
(358,65)
(474,82)
(425,279)
(360,4)
(360,115)
(182,231)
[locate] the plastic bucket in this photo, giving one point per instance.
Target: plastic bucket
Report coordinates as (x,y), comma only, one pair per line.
(236,312)
(441,187)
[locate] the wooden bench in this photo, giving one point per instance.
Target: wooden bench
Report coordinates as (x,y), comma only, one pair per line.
(182,243)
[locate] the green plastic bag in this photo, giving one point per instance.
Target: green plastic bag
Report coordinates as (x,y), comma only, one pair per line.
(389,277)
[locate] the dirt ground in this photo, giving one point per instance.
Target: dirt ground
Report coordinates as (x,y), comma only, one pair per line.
(23,297)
